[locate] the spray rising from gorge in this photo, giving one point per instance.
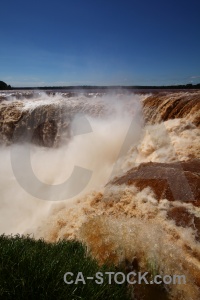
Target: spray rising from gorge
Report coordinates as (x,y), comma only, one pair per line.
(142,199)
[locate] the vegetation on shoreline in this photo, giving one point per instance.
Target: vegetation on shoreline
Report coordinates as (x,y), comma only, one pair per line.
(31,269)
(115,87)
(4,86)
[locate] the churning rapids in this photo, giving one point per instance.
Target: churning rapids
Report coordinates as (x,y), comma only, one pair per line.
(142,199)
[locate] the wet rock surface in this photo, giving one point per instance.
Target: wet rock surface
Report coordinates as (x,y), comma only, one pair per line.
(172,181)
(48,120)
(43,125)
(43,122)
(164,106)
(152,210)
(184,218)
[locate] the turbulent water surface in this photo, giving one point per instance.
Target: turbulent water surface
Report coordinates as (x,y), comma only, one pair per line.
(143,197)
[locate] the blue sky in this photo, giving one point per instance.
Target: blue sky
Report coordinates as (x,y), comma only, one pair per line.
(97,42)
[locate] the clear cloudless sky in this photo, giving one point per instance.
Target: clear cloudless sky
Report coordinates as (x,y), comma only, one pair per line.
(99,42)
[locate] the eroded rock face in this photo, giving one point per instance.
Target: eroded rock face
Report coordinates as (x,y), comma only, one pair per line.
(44,122)
(164,106)
(152,210)
(184,218)
(48,116)
(179,181)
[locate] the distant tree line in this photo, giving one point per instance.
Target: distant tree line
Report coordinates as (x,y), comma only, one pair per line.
(111,87)
(4,86)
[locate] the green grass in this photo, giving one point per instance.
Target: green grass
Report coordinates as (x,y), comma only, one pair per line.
(31,269)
